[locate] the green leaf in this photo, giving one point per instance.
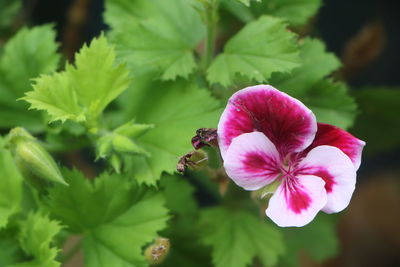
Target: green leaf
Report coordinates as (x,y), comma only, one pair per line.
(329,100)
(37,233)
(130,217)
(316,64)
(177,110)
(82,92)
(164,41)
(237,237)
(296,12)
(259,49)
(10,251)
(119,12)
(379,114)
(26,55)
(318,239)
(178,194)
(331,103)
(35,52)
(10,186)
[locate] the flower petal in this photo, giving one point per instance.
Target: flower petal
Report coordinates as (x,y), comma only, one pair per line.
(333,136)
(289,124)
(297,201)
(252,161)
(338,172)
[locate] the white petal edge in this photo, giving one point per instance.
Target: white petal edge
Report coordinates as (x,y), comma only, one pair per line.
(236,159)
(341,168)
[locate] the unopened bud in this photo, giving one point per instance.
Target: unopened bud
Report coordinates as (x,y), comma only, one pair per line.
(104,146)
(158,251)
(131,129)
(116,163)
(124,144)
(32,160)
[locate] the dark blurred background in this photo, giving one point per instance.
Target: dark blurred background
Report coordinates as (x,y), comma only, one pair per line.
(365,35)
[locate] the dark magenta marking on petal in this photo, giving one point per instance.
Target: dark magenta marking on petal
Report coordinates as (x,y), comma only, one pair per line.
(333,136)
(281,118)
(296,198)
(256,162)
(320,172)
(327,177)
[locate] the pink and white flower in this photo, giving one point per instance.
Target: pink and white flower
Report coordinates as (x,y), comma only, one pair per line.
(266,136)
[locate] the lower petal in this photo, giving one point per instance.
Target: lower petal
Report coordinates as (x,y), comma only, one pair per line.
(338,172)
(296,202)
(252,161)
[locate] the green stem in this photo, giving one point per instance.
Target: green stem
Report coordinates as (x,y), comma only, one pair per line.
(210,43)
(211,19)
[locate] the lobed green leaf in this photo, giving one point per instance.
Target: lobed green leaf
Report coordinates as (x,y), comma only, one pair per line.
(318,240)
(151,36)
(115,215)
(36,235)
(296,12)
(262,47)
(237,237)
(26,55)
(81,92)
(329,100)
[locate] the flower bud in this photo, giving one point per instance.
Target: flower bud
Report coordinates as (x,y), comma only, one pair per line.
(33,161)
(158,251)
(131,129)
(104,146)
(124,144)
(116,163)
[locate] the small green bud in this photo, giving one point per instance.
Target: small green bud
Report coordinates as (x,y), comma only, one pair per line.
(121,140)
(33,161)
(104,146)
(131,129)
(116,163)
(158,251)
(124,144)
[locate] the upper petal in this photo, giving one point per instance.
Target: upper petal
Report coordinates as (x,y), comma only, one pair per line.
(333,136)
(252,161)
(297,201)
(287,122)
(338,172)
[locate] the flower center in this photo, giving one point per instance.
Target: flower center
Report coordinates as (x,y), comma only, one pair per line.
(288,168)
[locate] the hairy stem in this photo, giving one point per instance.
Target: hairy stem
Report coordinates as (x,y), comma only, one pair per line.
(211,19)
